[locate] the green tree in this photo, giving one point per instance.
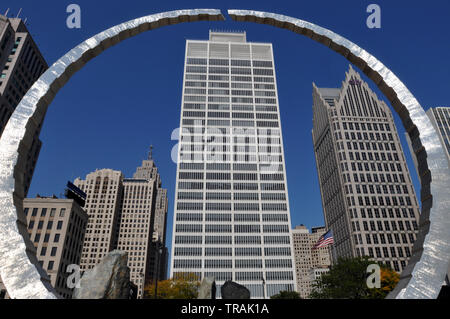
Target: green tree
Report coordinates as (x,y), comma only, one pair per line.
(183,286)
(347,279)
(286,295)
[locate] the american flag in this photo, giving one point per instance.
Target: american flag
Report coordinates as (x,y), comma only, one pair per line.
(325,240)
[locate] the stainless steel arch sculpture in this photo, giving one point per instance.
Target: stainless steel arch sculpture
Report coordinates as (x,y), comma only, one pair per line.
(23,276)
(427,268)
(19,268)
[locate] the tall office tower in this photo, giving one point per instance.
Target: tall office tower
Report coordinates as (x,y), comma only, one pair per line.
(158,251)
(232,217)
(104,189)
(140,214)
(128,214)
(367,195)
(309,262)
(21,64)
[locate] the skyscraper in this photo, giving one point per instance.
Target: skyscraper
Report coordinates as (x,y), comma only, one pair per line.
(21,64)
(128,214)
(142,224)
(308,261)
(368,198)
(232,218)
(104,191)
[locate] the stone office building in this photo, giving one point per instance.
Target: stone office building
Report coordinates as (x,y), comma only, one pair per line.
(21,64)
(56,228)
(368,198)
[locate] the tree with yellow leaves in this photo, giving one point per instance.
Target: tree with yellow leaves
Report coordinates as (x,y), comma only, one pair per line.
(182,286)
(388,281)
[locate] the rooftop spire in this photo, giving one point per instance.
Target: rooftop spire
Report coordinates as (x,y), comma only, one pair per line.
(150,153)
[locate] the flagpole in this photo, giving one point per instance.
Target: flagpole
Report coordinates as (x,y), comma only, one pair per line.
(334,249)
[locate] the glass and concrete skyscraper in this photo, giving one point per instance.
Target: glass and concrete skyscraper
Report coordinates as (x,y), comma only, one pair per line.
(232,217)
(368,198)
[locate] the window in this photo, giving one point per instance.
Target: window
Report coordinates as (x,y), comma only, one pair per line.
(62,212)
(56,239)
(43,251)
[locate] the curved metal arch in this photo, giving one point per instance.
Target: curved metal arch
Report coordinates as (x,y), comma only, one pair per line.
(425,273)
(19,268)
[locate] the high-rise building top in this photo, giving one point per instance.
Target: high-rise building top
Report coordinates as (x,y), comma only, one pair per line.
(104,190)
(129,214)
(21,64)
(232,219)
(367,195)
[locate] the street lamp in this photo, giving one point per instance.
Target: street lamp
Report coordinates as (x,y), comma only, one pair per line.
(158,252)
(264,287)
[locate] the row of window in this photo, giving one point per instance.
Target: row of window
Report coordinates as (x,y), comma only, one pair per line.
(237,206)
(214,240)
(234,176)
(227,186)
(227,85)
(255,63)
(234,107)
(198,217)
(225,251)
(234,115)
(228,263)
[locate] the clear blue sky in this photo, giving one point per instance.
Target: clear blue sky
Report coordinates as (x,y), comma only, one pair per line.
(129,97)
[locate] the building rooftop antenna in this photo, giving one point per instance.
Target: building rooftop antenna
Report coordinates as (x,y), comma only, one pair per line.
(18,14)
(150,153)
(6,13)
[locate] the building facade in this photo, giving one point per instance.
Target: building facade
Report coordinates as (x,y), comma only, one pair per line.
(232,219)
(104,189)
(21,64)
(56,228)
(142,225)
(128,214)
(308,261)
(367,195)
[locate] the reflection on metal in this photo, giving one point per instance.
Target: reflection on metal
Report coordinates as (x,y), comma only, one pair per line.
(19,268)
(425,273)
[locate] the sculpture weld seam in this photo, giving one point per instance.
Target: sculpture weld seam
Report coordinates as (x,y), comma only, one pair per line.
(23,276)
